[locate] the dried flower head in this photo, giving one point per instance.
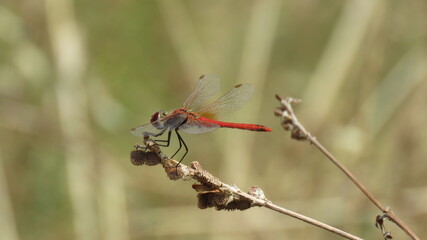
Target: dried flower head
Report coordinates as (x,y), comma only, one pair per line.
(140,157)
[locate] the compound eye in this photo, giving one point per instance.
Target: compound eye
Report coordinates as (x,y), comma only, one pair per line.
(155,117)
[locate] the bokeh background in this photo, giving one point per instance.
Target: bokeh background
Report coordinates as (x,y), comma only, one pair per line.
(75,76)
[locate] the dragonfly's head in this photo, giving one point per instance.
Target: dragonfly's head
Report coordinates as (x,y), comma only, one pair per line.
(157,119)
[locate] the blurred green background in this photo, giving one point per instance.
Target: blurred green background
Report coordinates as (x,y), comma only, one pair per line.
(75,76)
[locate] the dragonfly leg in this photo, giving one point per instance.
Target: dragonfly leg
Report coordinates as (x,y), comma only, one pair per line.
(181,141)
(165,141)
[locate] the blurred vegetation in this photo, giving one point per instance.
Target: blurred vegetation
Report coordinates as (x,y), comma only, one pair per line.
(75,76)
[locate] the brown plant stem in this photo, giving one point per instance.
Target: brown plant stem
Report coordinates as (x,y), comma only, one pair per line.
(214,193)
(290,122)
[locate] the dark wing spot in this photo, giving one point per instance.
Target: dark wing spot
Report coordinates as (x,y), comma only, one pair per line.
(238,85)
(202,76)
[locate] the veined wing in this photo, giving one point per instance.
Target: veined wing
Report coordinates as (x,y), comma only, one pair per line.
(196,126)
(206,87)
(147,130)
(230,101)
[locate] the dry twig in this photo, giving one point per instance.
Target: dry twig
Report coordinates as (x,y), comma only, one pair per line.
(290,122)
(212,192)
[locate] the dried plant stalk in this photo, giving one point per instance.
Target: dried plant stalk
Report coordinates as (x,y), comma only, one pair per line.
(212,192)
(290,123)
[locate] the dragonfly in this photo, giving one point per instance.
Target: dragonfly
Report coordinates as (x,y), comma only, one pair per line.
(197,115)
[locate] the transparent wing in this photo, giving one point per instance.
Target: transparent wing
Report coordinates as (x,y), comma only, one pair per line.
(206,87)
(147,130)
(197,126)
(230,101)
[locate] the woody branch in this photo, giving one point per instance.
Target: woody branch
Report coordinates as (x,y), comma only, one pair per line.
(212,192)
(291,123)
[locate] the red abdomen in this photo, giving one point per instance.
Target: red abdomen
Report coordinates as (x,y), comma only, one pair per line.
(244,126)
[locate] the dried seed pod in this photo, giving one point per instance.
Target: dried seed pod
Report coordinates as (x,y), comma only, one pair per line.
(139,157)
